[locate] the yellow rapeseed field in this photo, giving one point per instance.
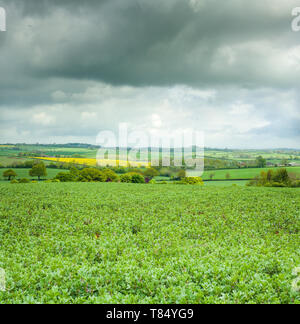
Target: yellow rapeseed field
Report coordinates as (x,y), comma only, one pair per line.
(95,162)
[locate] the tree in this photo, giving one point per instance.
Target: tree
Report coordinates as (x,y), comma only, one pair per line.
(9,174)
(284,162)
(212,175)
(64,177)
(282,176)
(270,175)
(165,172)
(261,162)
(38,170)
(151,173)
(181,174)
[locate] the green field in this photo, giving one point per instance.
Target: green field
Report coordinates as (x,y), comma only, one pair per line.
(243,173)
(274,156)
(119,243)
(24,173)
(226,183)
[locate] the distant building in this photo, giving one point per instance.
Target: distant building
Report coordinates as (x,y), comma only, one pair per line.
(294,164)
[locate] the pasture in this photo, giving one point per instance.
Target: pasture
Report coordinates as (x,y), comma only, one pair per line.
(243,173)
(127,243)
(226,183)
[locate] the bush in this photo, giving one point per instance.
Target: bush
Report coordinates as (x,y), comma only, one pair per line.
(64,177)
(282,176)
(24,180)
(278,185)
(181,175)
(151,173)
(296,184)
(126,178)
(137,178)
(92,175)
(14,181)
(193,181)
(111,176)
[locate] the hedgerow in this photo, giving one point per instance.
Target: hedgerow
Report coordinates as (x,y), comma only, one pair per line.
(279,179)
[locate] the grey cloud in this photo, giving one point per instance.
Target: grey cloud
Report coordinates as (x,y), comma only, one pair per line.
(143,42)
(64,60)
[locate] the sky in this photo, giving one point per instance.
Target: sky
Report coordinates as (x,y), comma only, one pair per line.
(73,68)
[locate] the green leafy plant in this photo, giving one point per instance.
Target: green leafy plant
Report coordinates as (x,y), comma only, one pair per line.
(99,243)
(14,181)
(24,180)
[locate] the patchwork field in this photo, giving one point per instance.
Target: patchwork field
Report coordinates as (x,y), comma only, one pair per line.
(126,243)
(94,162)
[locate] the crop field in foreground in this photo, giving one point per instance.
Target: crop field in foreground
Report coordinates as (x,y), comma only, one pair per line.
(126,243)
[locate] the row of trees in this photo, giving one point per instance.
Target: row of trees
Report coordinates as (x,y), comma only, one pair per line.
(38,170)
(30,163)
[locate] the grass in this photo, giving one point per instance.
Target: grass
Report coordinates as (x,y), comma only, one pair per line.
(24,173)
(226,183)
(126,243)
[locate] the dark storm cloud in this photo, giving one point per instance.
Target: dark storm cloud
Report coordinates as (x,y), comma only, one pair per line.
(142,42)
(66,65)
